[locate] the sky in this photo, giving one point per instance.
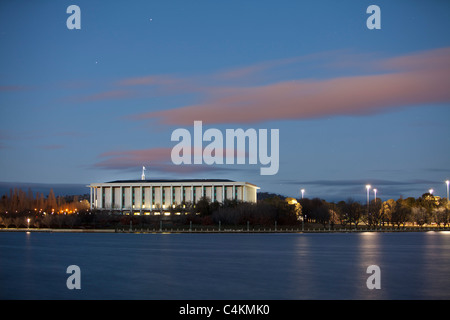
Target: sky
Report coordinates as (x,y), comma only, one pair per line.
(353,105)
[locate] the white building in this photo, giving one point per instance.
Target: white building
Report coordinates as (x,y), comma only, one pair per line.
(153,196)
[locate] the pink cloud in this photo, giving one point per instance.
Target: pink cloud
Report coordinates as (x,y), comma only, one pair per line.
(114,94)
(157,158)
(108,95)
(165,85)
(252,70)
(52,147)
(425,60)
(133,158)
(255,71)
(12,88)
(209,84)
(401,81)
(149,80)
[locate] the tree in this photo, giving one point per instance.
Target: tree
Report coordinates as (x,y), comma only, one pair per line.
(428,202)
(388,207)
(400,213)
(419,215)
(4,203)
(375,216)
(322,215)
(351,211)
(22,203)
(296,206)
(47,220)
(309,206)
(51,202)
(334,213)
(30,199)
(408,202)
(40,201)
(203,207)
(441,216)
(6,221)
(14,200)
(18,222)
(341,214)
(281,211)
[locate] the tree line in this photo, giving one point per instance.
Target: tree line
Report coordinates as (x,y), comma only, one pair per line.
(19,201)
(74,211)
(425,210)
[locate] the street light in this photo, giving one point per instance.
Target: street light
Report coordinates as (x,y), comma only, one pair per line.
(368,188)
(28,222)
(303,191)
(431,191)
(375,192)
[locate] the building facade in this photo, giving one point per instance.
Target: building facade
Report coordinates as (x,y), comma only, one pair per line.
(155,196)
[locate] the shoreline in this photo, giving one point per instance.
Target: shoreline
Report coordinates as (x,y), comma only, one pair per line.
(212,230)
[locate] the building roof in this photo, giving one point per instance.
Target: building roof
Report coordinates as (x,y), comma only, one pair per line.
(173,180)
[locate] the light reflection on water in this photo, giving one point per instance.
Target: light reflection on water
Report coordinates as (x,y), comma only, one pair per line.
(225,266)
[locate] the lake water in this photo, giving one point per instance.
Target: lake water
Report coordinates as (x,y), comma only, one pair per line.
(225,266)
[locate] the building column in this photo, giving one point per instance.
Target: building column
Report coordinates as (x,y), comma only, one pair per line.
(131,199)
(100,199)
(223,194)
(233,196)
(243,194)
(142,199)
(161,196)
(151,198)
(111,197)
(171,196)
(90,198)
(192,195)
(121,198)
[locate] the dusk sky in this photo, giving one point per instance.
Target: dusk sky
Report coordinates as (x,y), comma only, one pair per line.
(353,106)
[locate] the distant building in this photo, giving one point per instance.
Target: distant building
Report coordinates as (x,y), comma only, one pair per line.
(153,196)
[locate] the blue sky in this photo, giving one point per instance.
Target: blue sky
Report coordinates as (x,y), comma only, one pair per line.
(95,104)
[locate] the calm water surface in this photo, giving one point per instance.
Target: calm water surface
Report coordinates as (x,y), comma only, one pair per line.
(225,266)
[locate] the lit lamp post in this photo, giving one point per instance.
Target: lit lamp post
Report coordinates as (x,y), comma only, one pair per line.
(431,191)
(303,219)
(28,222)
(303,191)
(375,192)
(368,188)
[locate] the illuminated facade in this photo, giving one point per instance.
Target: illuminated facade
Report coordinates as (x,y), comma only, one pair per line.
(153,196)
